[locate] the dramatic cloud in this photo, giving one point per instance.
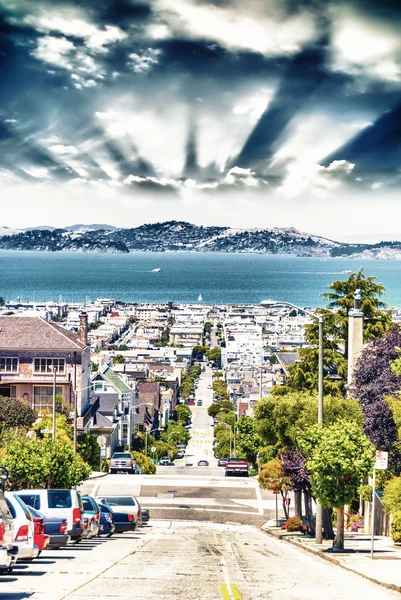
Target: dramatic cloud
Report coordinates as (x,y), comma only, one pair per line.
(264,112)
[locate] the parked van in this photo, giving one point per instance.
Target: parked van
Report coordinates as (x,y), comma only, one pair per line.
(58,503)
(24,528)
(8,551)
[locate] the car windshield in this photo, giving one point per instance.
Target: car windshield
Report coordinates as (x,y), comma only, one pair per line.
(236,460)
(121,455)
(120,500)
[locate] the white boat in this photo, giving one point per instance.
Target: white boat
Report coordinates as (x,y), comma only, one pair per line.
(347,272)
(200,298)
(156,270)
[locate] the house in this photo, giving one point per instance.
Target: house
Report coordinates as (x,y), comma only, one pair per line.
(148,403)
(114,417)
(35,354)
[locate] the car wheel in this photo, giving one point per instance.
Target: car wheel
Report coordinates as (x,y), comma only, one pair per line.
(105,535)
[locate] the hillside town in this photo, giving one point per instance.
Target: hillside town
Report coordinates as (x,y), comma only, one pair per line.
(121,351)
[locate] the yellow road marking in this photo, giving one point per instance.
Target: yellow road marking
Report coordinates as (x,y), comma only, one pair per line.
(235,592)
(225,592)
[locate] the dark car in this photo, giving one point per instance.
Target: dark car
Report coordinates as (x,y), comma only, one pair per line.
(107,527)
(55,527)
(121,521)
(222,462)
(145,515)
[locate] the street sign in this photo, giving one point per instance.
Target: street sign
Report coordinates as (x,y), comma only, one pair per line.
(381,460)
(153,449)
(101,440)
(276,491)
(46,431)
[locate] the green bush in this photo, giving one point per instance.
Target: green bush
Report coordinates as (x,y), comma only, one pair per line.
(392,495)
(365,491)
(396,527)
(15,413)
(295,524)
(145,463)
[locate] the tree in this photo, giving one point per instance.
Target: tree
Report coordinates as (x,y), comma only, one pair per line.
(145,463)
(183,413)
(338,457)
(64,431)
(272,477)
(15,413)
(248,441)
(376,373)
(45,463)
(198,352)
(294,467)
(223,435)
(342,297)
(89,450)
(216,407)
(220,390)
(218,374)
(94,367)
(214,355)
(123,348)
(118,359)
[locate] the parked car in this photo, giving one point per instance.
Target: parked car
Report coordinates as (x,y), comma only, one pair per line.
(165,461)
(40,537)
(8,550)
(222,462)
(58,503)
(237,466)
(24,529)
(145,515)
(107,527)
(55,528)
(199,402)
(125,504)
(122,462)
(203,463)
(92,511)
(122,521)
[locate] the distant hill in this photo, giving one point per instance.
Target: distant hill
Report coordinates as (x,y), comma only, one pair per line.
(184,236)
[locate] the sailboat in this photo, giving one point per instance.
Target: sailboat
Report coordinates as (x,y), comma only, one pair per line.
(200,298)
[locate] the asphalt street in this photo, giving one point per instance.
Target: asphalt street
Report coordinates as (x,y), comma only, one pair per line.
(203,543)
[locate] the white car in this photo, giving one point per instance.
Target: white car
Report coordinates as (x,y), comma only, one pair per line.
(23,527)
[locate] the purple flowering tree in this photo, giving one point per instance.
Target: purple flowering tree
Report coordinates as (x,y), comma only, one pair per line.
(293,465)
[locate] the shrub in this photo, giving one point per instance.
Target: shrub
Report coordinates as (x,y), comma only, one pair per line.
(295,524)
(145,463)
(15,413)
(365,491)
(396,527)
(355,522)
(392,495)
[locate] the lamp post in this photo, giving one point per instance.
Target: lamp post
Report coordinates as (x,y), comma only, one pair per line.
(146,439)
(54,404)
(320,413)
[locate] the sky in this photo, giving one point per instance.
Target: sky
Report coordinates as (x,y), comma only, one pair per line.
(250,114)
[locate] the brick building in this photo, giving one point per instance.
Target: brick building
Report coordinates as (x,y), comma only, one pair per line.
(31,350)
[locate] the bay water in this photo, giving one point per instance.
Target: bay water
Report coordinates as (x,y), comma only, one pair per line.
(218,277)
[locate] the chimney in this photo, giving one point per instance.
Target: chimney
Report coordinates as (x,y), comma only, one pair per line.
(83,328)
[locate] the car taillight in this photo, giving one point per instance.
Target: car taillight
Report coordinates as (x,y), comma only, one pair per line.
(97,516)
(76,515)
(130,518)
(85,524)
(2,531)
(63,527)
(138,514)
(22,535)
(109,518)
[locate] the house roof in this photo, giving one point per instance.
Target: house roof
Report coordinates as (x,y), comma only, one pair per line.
(115,380)
(149,391)
(34,333)
(107,402)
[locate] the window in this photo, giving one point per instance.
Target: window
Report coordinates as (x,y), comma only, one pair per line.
(59,498)
(31,500)
(43,398)
(8,365)
(46,365)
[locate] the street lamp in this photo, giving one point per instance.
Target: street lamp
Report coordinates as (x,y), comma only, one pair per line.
(319,318)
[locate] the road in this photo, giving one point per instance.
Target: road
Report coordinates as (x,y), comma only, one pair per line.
(203,543)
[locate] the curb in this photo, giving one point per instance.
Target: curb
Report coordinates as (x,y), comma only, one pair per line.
(97,476)
(332,559)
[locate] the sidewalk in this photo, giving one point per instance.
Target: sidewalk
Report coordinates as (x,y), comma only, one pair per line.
(384,569)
